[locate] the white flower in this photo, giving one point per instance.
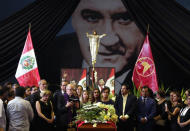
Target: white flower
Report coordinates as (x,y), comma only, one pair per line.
(97,104)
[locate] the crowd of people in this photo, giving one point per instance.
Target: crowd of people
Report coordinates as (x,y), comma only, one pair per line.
(37,108)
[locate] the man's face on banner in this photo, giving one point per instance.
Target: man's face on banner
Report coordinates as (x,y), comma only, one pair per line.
(123,38)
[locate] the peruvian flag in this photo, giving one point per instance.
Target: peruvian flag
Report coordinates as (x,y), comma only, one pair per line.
(110,81)
(144,73)
(27,71)
(82,81)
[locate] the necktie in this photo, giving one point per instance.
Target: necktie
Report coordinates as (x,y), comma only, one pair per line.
(144,101)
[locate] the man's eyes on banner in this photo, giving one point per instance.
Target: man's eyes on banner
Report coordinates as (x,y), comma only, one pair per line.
(94,17)
(122,18)
(91,16)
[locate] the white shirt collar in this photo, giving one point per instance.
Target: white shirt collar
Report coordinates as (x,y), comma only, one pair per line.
(62,92)
(18,97)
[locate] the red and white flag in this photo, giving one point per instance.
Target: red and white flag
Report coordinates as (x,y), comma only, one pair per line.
(110,81)
(82,81)
(27,71)
(144,73)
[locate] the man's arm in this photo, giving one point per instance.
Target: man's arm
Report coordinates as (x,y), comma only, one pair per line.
(30,111)
(1,116)
(153,110)
(116,105)
(132,107)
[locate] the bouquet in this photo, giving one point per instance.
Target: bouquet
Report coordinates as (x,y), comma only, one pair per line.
(97,113)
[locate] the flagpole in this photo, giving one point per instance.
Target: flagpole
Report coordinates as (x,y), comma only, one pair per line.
(30,26)
(148,29)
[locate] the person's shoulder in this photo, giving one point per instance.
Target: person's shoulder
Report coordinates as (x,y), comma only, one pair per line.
(140,98)
(111,102)
(36,93)
(132,96)
(26,102)
(57,92)
(151,100)
(11,102)
(1,102)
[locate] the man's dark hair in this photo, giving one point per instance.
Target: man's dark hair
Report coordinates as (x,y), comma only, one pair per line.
(20,91)
(105,88)
(3,90)
(7,84)
(144,87)
(126,85)
(32,87)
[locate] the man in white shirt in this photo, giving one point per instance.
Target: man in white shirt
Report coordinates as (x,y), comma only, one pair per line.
(125,108)
(20,112)
(2,110)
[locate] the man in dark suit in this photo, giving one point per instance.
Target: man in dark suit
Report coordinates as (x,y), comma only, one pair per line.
(125,108)
(58,93)
(66,108)
(146,110)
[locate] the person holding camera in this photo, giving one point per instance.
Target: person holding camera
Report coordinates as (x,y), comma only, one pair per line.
(66,108)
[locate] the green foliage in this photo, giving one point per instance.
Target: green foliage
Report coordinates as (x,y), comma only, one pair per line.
(183,96)
(163,88)
(88,112)
(136,92)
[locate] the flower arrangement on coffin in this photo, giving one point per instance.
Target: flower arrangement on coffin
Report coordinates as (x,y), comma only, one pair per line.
(97,113)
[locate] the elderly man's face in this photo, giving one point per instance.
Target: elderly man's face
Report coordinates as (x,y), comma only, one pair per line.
(43,85)
(69,89)
(123,39)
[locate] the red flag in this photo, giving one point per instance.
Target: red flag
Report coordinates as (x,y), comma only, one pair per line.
(144,73)
(27,71)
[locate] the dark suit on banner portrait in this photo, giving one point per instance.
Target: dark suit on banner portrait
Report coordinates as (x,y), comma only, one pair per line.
(146,108)
(127,125)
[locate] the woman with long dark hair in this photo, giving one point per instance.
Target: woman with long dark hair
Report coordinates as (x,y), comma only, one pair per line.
(95,96)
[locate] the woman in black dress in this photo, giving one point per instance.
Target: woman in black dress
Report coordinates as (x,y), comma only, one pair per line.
(184,117)
(161,115)
(45,112)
